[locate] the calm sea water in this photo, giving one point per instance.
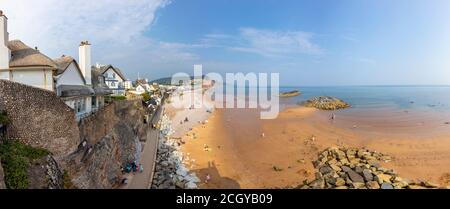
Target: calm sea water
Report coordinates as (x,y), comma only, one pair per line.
(381,109)
(419,98)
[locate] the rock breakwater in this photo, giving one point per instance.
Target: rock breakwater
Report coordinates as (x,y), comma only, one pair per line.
(326,103)
(353,168)
(170,172)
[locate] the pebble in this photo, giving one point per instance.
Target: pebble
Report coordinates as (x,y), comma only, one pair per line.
(386,185)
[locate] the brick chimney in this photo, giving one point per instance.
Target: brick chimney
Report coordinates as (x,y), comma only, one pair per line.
(84,53)
(5,53)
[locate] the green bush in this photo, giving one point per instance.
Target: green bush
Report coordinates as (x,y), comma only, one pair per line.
(146,96)
(119,97)
(16,158)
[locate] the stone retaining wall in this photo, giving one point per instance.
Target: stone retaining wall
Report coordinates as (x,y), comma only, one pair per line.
(39,118)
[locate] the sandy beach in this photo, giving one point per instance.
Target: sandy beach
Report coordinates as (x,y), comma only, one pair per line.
(238,150)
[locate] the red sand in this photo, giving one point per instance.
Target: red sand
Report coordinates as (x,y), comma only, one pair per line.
(241,158)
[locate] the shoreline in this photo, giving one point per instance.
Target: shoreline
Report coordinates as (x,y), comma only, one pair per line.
(241,158)
(238,150)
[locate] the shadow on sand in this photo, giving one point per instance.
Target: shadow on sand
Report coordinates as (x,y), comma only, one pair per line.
(216,181)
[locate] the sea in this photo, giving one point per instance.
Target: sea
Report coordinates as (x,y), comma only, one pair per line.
(420,98)
(401,109)
(396,109)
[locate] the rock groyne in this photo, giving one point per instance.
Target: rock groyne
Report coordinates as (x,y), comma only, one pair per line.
(353,168)
(326,103)
(170,171)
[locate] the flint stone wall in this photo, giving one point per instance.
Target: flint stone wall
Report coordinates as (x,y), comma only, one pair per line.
(39,118)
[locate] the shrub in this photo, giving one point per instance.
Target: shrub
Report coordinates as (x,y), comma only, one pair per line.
(146,96)
(118,97)
(16,158)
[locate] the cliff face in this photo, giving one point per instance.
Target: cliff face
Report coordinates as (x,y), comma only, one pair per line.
(97,162)
(45,173)
(90,152)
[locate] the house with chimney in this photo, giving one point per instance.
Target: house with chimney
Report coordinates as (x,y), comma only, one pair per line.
(23,64)
(74,82)
(78,85)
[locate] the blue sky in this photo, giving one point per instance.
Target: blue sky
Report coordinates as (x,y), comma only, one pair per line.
(360,42)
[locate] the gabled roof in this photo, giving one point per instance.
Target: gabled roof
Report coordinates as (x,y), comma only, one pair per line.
(24,56)
(141,81)
(103,69)
(64,62)
(100,88)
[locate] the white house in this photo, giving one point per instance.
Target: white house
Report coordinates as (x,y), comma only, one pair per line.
(71,86)
(74,82)
(128,85)
(23,64)
(147,87)
(140,89)
(79,87)
(114,78)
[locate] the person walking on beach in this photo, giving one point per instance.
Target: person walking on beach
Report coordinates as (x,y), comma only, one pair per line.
(208,177)
(333,116)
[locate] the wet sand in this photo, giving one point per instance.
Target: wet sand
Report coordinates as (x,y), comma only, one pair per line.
(240,157)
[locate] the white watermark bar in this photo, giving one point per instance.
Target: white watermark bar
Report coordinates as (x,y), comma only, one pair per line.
(237,90)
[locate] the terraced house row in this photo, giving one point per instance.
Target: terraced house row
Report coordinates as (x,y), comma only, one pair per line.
(79,84)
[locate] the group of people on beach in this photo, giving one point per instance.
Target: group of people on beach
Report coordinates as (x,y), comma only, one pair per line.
(185,120)
(131,167)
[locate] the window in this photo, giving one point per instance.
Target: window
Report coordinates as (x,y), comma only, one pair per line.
(83,105)
(94,101)
(80,105)
(113,75)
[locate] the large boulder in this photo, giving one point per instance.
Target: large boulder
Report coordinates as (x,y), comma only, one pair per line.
(361,170)
(326,103)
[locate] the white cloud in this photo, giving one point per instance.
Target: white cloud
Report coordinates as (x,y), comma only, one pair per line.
(56,24)
(115,28)
(117,31)
(268,43)
(277,43)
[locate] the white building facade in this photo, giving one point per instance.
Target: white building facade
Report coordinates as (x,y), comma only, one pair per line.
(114,79)
(128,85)
(20,63)
(74,82)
